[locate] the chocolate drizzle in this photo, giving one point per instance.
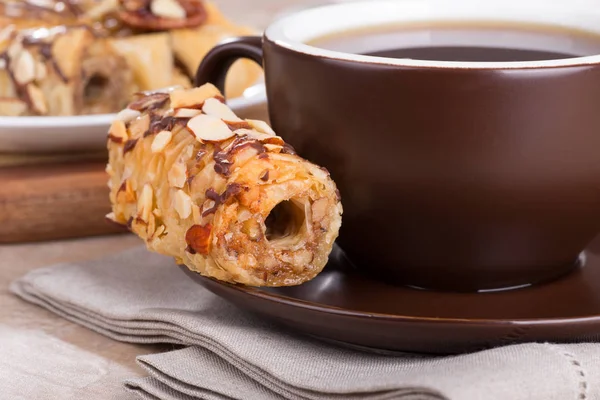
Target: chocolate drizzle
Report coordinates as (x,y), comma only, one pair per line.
(129,145)
(222,162)
(223,159)
(235,125)
(265,176)
(149,102)
(159,123)
(211,194)
(230,191)
(46,53)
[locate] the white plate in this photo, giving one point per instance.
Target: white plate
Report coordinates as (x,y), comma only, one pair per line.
(86,132)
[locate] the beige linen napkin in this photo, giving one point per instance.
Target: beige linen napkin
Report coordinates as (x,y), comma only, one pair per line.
(141,297)
(36,366)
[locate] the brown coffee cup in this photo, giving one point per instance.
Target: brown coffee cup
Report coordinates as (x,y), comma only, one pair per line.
(454,175)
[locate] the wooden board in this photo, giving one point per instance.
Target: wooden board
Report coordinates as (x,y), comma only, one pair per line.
(54,201)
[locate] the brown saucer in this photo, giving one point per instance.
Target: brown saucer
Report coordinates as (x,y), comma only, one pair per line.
(344,306)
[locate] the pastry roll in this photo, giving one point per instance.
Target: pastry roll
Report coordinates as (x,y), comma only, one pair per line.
(224,196)
(61,71)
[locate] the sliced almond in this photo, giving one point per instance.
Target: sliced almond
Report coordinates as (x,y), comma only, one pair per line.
(215,108)
(102,8)
(14,49)
(12,107)
(196,213)
(127,114)
(209,128)
(319,173)
(273,148)
(125,193)
(118,131)
(37,99)
(272,140)
(187,98)
(144,204)
(176,175)
(161,140)
(24,68)
(252,134)
(167,9)
(144,102)
(158,232)
(186,112)
(261,126)
(183,204)
(139,126)
(40,71)
(151,225)
(68,50)
(7,32)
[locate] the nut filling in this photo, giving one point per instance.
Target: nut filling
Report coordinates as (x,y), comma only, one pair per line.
(216,193)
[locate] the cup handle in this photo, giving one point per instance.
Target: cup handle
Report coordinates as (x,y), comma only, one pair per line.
(215,65)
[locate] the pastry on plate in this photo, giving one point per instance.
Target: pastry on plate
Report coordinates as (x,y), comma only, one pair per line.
(112,48)
(222,195)
(61,71)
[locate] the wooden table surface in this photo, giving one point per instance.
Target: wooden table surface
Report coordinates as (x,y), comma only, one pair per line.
(17,259)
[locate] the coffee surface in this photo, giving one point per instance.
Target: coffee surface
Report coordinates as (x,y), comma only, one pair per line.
(468,41)
(471,53)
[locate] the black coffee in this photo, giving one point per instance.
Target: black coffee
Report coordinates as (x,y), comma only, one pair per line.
(471,53)
(465,42)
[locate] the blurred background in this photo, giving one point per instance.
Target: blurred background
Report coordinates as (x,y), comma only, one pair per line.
(52,179)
